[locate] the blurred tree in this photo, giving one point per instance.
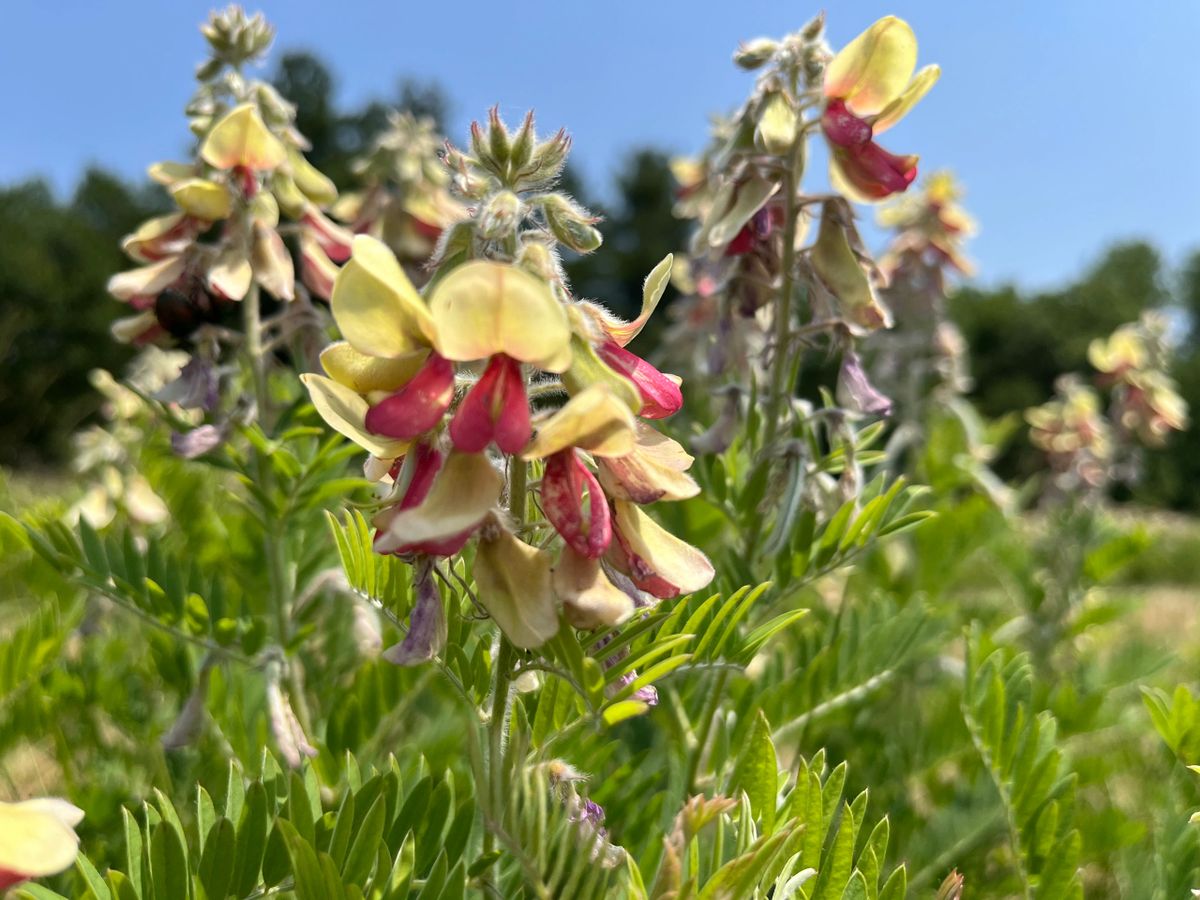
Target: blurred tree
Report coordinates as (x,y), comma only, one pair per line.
(639,230)
(338,136)
(54,314)
(1020,344)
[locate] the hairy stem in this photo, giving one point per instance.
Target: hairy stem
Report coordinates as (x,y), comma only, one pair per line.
(781,360)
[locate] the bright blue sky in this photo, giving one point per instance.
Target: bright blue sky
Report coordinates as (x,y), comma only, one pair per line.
(1072,122)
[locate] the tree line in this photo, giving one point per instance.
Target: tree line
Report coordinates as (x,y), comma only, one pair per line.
(57,253)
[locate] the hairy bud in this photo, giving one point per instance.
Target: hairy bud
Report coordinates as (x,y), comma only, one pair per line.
(501,216)
(754,54)
(570,223)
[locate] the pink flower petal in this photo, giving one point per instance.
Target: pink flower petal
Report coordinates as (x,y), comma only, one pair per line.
(661,396)
(566,478)
(494,409)
(418,406)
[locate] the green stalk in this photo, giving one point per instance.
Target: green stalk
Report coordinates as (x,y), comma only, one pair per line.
(274,547)
(781,361)
(506,656)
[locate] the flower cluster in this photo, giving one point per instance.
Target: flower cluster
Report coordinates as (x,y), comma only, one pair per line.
(930,227)
(1145,407)
(225,235)
(448,388)
(1132,362)
(752,218)
(925,351)
(1073,432)
(869,86)
(404,200)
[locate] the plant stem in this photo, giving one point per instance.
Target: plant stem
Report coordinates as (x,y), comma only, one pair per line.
(781,361)
(506,655)
(252,329)
(274,547)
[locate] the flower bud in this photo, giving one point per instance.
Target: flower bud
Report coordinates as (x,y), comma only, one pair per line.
(521,150)
(549,157)
(498,142)
(537,259)
(501,216)
(753,54)
(570,223)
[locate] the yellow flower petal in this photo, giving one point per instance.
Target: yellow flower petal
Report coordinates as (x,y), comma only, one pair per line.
(375,305)
(482,308)
(203,199)
(147,280)
(272,264)
(655,470)
(671,559)
(595,420)
(910,97)
(776,129)
(365,373)
(230,274)
(589,599)
(652,291)
(290,198)
(167,173)
(751,196)
(37,837)
(150,241)
(310,180)
(130,328)
(513,582)
(874,68)
(834,261)
(345,412)
(464,491)
(241,138)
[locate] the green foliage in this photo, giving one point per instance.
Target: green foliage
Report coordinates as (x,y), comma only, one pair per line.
(397,832)
(1019,749)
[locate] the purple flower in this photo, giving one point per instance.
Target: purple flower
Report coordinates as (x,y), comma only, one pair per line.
(426,624)
(197,442)
(855,391)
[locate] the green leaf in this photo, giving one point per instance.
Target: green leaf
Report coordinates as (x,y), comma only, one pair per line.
(251,839)
(96,886)
(756,772)
(362,851)
(622,710)
(217,861)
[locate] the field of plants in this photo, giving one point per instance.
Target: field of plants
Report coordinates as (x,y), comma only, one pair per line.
(395,565)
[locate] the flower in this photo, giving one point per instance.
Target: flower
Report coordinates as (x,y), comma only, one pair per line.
(37,838)
(931,227)
(869,86)
(438,386)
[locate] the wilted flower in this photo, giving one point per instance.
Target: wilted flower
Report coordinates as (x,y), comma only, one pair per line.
(37,838)
(855,391)
(841,271)
(869,87)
